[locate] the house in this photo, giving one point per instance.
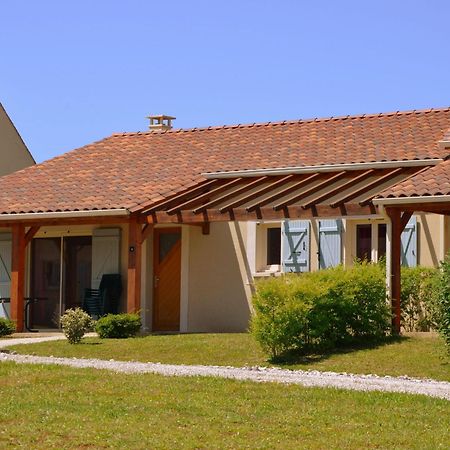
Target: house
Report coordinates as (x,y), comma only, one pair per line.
(190,217)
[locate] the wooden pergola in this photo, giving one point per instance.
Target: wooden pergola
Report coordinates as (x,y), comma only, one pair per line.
(307,194)
(399,211)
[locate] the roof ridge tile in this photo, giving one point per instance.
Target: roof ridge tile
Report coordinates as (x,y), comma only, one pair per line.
(287,122)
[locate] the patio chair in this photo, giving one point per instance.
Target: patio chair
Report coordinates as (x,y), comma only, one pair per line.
(92,302)
(110,289)
(105,299)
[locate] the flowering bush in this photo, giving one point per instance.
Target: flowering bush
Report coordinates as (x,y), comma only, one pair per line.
(75,323)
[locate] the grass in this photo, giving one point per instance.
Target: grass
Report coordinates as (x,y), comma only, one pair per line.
(421,355)
(57,407)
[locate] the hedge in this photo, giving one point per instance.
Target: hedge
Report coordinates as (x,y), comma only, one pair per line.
(321,309)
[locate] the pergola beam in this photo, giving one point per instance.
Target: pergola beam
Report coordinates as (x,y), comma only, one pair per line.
(230,194)
(312,190)
(359,191)
(272,197)
(399,220)
(134,265)
(194,201)
(18,275)
(266,213)
(339,189)
(258,193)
(31,233)
(167,203)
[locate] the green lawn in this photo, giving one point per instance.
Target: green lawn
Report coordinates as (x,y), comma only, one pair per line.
(418,355)
(58,407)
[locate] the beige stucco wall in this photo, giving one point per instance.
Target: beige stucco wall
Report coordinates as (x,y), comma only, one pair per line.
(219,290)
(14,155)
(429,240)
(446,234)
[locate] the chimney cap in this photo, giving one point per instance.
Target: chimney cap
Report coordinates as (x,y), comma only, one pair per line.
(160,122)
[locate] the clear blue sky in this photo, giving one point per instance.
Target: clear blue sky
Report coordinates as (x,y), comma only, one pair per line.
(72,72)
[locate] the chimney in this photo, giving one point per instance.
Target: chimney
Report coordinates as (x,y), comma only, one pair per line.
(160,122)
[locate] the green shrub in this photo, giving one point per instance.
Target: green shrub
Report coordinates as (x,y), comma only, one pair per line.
(443,304)
(7,327)
(118,326)
(419,298)
(320,309)
(75,323)
(280,320)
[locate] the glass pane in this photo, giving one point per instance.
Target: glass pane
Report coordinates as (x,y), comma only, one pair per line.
(381,240)
(166,243)
(364,242)
(273,246)
(77,269)
(45,282)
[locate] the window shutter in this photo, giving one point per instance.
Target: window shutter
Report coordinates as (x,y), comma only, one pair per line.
(330,243)
(295,246)
(5,272)
(409,243)
(105,253)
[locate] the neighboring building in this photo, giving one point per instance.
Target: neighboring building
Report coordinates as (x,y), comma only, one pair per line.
(14,154)
(190,217)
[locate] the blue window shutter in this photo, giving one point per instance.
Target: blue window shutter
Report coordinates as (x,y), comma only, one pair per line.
(409,243)
(295,246)
(330,243)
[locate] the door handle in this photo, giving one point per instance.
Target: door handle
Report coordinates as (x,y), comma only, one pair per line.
(155,281)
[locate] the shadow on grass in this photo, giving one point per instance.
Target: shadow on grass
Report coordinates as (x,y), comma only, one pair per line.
(313,354)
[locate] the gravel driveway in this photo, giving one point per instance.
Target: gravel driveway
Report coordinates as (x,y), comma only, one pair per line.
(310,378)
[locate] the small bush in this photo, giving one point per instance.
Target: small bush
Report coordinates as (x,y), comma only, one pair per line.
(7,327)
(118,326)
(321,309)
(75,323)
(443,304)
(419,298)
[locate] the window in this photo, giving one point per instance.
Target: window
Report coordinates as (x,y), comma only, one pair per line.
(364,242)
(273,246)
(381,240)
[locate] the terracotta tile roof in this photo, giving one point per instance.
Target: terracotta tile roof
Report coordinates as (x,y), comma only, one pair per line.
(128,169)
(432,181)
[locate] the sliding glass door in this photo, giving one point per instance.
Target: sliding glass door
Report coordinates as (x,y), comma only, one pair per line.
(46,282)
(60,271)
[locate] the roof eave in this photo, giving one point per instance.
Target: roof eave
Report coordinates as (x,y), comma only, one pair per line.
(323,168)
(64,214)
(414,199)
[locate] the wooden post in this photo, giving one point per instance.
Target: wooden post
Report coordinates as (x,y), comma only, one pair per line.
(134,265)
(396,269)
(18,276)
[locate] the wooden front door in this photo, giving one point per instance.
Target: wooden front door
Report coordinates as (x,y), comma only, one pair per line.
(167,279)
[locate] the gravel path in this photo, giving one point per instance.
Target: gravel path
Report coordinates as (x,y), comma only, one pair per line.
(310,378)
